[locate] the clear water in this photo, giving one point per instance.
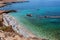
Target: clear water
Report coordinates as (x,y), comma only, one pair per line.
(44,28)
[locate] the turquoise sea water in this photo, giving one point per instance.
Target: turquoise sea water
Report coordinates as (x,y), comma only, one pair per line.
(44,28)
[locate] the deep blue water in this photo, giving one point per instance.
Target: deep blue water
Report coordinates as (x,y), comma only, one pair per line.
(44,28)
(33,4)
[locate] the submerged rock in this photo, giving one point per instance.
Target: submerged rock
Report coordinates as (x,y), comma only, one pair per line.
(29,15)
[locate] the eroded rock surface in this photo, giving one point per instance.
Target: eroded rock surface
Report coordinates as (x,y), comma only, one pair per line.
(13,36)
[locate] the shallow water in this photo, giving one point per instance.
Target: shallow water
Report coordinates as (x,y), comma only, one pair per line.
(44,28)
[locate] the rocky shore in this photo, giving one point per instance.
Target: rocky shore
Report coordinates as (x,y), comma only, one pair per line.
(8,2)
(13,36)
(2,1)
(20,29)
(12,30)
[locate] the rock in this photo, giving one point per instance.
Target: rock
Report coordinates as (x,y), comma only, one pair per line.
(29,15)
(9,11)
(13,36)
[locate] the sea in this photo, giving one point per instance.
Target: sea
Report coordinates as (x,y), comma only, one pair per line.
(48,28)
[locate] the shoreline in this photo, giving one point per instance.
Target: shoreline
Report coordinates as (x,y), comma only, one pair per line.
(9,2)
(22,30)
(4,1)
